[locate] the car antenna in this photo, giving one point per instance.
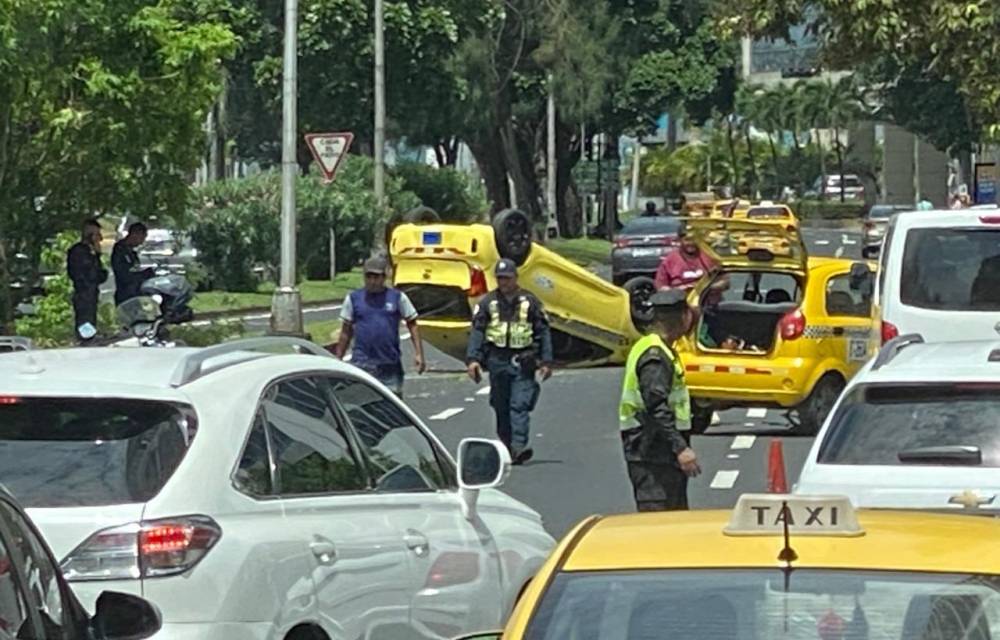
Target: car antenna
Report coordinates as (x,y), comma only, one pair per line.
(787,555)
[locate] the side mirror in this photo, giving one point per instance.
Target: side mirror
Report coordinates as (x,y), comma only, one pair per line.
(482,464)
(122,616)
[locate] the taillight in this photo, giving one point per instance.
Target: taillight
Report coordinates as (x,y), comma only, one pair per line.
(8,400)
(666,241)
(477,283)
(869,225)
(148,550)
(792,325)
(889,331)
(989,219)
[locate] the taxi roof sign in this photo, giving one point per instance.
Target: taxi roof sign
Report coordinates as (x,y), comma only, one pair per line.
(764,514)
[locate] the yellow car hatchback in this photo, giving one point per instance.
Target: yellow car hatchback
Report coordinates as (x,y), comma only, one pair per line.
(832,573)
(775,329)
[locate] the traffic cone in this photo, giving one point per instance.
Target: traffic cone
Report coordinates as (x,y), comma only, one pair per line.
(776,480)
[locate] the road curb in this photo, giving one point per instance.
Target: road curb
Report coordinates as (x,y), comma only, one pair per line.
(238,314)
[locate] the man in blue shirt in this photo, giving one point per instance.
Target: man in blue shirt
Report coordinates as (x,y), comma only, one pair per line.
(371,317)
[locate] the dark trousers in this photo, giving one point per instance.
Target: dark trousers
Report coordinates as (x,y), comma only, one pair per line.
(513,396)
(84,311)
(657,484)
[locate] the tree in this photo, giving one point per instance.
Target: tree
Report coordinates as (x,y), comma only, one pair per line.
(101,110)
(949,38)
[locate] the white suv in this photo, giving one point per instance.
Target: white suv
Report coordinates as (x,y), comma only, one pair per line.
(255,495)
(918,427)
(940,277)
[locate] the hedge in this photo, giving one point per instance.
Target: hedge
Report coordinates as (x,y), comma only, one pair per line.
(828,210)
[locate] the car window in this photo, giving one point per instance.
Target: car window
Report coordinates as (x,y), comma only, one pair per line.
(311,452)
(13,605)
(402,456)
(647,225)
(41,575)
(951,269)
(841,300)
(76,452)
(894,425)
(755,286)
(767,212)
(253,476)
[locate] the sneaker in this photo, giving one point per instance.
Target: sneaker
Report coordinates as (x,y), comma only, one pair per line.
(522,456)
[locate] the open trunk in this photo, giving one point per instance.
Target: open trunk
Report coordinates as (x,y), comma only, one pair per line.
(745,327)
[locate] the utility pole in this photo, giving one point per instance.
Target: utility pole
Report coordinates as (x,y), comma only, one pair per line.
(636,171)
(552,167)
(286,306)
(380,122)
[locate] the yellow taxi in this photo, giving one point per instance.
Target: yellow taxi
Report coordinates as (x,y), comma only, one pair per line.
(698,204)
(776,328)
(766,210)
(445,268)
(777,566)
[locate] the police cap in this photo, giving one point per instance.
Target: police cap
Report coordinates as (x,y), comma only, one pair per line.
(505,269)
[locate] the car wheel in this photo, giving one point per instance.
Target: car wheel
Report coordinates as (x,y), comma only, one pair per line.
(818,405)
(639,291)
(701,418)
(869,252)
(618,280)
(421,215)
(512,232)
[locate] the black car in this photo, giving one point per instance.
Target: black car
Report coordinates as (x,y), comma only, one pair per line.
(640,246)
(37,603)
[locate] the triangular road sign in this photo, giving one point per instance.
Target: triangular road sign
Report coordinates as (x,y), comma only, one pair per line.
(329,150)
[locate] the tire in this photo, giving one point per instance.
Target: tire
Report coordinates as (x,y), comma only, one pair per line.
(394,221)
(701,418)
(512,230)
(421,215)
(619,280)
(639,290)
(869,252)
(817,406)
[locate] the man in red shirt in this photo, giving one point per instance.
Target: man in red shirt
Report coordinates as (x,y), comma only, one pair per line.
(685,266)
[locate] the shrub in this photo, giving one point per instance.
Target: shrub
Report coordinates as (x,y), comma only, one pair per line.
(828,210)
(208,335)
(453,194)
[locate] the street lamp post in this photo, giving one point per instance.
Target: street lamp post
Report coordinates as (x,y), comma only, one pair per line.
(380,117)
(286,306)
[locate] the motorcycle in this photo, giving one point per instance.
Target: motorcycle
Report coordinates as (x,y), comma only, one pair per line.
(163,301)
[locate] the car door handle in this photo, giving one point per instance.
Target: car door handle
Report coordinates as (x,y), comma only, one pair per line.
(417,543)
(324,550)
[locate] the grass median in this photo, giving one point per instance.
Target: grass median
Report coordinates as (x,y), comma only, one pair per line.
(582,251)
(312,291)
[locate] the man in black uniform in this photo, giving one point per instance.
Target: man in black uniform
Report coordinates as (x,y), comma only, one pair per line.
(83,265)
(511,338)
(655,411)
(125,264)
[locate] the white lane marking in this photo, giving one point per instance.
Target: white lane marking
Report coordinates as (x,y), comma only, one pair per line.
(749,424)
(822,243)
(447,413)
(839,253)
(849,243)
(756,413)
(743,442)
(485,391)
(470,399)
(724,479)
(716,418)
(733,456)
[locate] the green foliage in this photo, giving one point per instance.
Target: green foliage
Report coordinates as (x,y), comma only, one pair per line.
(451,193)
(207,335)
(828,210)
(235,224)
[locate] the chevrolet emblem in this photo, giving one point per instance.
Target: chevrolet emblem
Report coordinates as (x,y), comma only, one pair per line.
(971,500)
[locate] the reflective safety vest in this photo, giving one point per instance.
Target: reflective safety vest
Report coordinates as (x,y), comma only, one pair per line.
(631,402)
(514,334)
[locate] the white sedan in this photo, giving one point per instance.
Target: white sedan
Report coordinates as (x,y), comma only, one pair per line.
(918,428)
(259,496)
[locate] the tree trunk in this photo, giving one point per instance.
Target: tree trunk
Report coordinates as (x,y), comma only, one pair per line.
(6,298)
(774,155)
(822,166)
(734,157)
(521,170)
(840,165)
(569,209)
(439,156)
(486,150)
(752,182)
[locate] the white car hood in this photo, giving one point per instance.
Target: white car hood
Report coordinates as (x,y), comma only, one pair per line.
(885,487)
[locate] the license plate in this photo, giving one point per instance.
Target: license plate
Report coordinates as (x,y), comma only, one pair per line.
(645,253)
(432,237)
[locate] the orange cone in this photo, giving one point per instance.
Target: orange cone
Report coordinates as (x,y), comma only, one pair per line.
(776,480)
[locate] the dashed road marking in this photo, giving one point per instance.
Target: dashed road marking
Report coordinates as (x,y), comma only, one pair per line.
(724,479)
(447,413)
(733,456)
(822,243)
(743,442)
(756,413)
(839,253)
(716,418)
(749,424)
(850,243)
(470,399)
(485,391)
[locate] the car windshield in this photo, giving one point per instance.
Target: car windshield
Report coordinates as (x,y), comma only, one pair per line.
(880,425)
(74,452)
(650,225)
(951,269)
(758,605)
(767,212)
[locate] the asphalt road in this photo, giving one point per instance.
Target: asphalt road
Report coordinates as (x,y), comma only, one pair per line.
(578,468)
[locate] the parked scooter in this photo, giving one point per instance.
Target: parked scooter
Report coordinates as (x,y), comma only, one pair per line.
(163,301)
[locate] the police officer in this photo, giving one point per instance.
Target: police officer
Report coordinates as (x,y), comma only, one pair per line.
(129,276)
(83,265)
(510,337)
(655,410)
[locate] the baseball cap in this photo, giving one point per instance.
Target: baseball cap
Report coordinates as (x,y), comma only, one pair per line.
(506,269)
(376,266)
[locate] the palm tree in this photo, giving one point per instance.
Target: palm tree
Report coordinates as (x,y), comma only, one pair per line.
(768,109)
(845,107)
(747,115)
(815,108)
